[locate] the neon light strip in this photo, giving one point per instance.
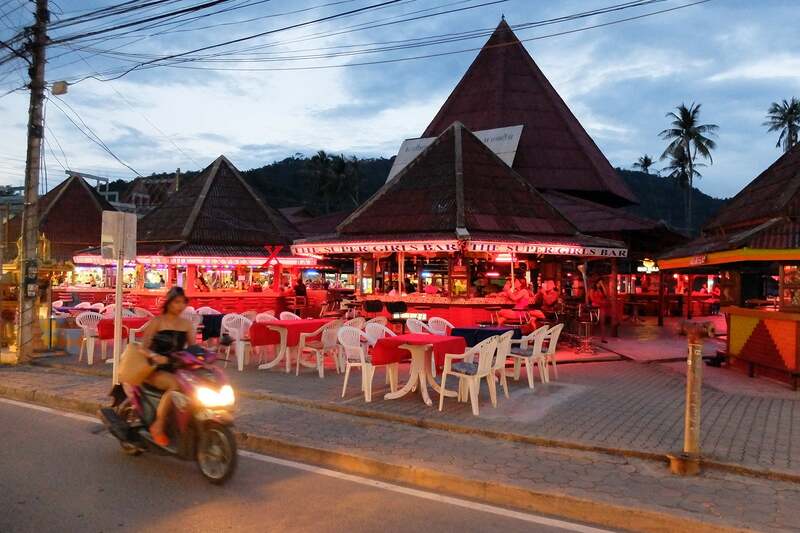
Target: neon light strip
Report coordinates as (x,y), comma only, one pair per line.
(197,260)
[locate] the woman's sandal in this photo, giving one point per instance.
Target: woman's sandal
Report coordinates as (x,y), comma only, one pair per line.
(159,437)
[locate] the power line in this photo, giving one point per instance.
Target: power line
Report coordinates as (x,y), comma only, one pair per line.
(250,37)
(93,137)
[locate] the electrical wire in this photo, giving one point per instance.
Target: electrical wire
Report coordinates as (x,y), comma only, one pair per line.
(92,136)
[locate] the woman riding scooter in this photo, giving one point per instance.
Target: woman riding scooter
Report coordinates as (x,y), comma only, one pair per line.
(165,334)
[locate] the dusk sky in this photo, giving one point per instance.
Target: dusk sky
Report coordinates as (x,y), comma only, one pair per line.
(733,56)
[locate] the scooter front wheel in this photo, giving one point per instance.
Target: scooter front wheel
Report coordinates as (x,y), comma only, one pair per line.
(216,453)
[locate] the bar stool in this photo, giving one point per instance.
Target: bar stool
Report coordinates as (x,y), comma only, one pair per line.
(587,318)
(494,311)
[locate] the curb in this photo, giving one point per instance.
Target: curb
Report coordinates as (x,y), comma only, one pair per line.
(763,473)
(548,503)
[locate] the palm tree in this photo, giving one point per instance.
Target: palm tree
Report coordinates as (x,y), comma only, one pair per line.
(321,168)
(678,168)
(644,163)
(785,117)
(694,139)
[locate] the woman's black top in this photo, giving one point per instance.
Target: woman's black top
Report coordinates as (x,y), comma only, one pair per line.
(167,341)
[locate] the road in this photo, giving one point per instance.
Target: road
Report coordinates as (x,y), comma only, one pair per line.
(61,472)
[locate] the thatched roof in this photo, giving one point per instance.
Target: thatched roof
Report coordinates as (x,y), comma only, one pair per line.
(70,216)
(457,186)
(215,208)
(505,87)
(775,192)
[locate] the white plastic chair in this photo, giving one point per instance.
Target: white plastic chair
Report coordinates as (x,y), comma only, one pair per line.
(468,372)
(205,310)
(327,344)
(57,303)
(439,326)
(357,322)
(99,307)
(250,315)
(530,353)
(382,320)
(88,323)
(83,305)
(416,326)
(133,332)
(375,331)
(355,356)
(190,309)
(141,311)
(288,315)
(266,316)
(552,343)
(238,327)
(499,366)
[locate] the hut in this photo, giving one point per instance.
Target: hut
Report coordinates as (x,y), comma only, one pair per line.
(448,218)
(504,87)
(750,252)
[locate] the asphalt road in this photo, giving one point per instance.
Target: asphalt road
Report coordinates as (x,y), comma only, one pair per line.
(61,473)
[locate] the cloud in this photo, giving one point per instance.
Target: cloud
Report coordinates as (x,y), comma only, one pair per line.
(780,67)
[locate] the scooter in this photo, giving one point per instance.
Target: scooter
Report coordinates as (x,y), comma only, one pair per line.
(200,425)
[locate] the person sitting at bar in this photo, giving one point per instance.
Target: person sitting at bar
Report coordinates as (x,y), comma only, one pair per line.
(520,295)
(300,287)
(431,288)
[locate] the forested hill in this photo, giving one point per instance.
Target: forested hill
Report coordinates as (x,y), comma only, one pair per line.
(326,184)
(661,198)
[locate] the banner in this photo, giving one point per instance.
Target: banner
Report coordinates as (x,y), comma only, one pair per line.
(455,246)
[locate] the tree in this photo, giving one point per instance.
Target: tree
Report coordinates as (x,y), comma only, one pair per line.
(320,167)
(644,163)
(678,168)
(687,134)
(785,117)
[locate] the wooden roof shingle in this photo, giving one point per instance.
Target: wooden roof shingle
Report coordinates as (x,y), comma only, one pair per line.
(70,216)
(504,87)
(457,186)
(217,207)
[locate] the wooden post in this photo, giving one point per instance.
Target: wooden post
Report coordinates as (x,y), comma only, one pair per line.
(661,291)
(191,277)
(614,300)
(28,263)
(689,297)
(277,272)
(401,272)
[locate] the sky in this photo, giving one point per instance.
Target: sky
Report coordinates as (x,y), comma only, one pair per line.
(734,57)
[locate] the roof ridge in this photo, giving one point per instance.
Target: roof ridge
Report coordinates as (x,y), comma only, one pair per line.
(201,199)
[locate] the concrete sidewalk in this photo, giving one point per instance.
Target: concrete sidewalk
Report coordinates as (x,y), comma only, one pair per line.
(615,491)
(620,406)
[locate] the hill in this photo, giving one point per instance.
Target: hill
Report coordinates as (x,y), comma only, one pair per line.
(296,181)
(663,199)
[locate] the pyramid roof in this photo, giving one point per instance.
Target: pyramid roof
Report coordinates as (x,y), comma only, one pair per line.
(216,208)
(504,87)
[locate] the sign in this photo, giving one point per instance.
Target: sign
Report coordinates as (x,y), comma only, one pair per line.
(373,247)
(455,246)
(118,235)
(698,260)
(502,141)
(545,249)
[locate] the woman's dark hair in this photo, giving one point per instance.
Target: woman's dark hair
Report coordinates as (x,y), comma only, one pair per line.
(172,294)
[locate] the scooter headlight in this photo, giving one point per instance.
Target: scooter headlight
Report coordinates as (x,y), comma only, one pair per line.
(211,398)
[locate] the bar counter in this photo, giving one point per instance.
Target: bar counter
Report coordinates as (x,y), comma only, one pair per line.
(766,341)
(225,301)
(459,311)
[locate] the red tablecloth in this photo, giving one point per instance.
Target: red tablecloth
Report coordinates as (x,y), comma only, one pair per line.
(262,335)
(105,328)
(387,350)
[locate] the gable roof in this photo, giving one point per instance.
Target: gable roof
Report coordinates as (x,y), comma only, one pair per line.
(773,193)
(217,207)
(70,216)
(457,186)
(505,87)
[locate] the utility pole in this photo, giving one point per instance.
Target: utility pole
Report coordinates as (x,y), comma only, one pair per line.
(28,289)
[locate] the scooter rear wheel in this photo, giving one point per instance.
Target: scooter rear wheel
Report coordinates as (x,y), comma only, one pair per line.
(126,412)
(216,453)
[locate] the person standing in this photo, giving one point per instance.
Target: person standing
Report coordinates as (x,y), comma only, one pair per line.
(599,300)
